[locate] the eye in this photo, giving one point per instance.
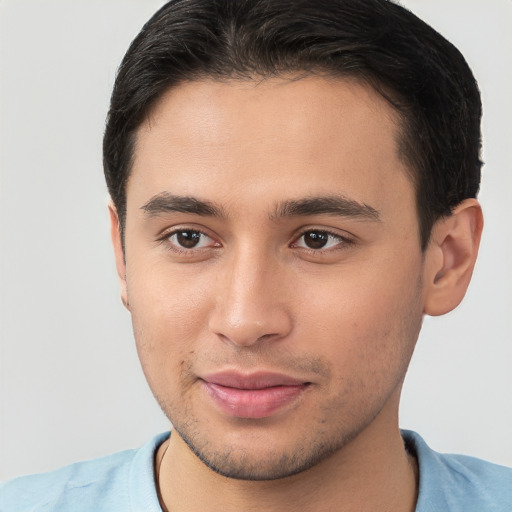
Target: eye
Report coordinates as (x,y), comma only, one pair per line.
(187,239)
(318,239)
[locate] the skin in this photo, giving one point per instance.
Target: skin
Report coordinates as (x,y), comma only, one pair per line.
(253,295)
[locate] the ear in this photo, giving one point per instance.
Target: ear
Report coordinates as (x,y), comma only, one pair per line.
(451,257)
(117,243)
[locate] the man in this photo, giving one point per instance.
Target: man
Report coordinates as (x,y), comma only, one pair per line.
(293,187)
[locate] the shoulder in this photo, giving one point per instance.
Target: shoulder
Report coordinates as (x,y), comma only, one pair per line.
(458,482)
(71,484)
(100,484)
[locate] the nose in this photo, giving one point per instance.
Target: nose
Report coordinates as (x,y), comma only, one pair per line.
(251,304)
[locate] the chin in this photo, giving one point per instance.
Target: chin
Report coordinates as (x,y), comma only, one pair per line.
(258,457)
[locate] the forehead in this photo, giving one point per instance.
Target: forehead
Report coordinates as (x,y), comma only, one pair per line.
(296,135)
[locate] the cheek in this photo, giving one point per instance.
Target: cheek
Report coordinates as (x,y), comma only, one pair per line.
(165,302)
(369,322)
(167,323)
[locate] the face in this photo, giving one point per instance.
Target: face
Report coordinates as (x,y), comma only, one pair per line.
(273,268)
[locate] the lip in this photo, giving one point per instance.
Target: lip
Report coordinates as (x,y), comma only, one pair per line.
(255,395)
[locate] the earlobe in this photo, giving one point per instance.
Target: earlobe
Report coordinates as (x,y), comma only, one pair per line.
(451,257)
(117,243)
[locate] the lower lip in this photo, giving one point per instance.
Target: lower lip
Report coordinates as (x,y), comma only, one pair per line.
(253,403)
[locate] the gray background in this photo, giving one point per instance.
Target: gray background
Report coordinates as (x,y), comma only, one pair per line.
(70,383)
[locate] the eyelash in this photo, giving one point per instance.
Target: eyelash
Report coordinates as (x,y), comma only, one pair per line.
(342,241)
(174,247)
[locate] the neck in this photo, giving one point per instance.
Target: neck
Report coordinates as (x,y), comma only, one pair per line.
(372,472)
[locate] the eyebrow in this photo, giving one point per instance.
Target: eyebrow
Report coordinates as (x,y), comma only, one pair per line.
(329,205)
(326,205)
(169,203)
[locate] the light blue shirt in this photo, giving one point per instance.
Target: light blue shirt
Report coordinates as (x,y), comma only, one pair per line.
(124,482)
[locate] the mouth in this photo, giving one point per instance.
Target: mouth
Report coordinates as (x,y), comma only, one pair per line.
(254,396)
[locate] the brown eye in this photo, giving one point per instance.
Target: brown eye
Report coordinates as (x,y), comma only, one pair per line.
(189,239)
(316,239)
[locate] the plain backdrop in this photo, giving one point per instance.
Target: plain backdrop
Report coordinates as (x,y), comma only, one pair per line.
(70,383)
